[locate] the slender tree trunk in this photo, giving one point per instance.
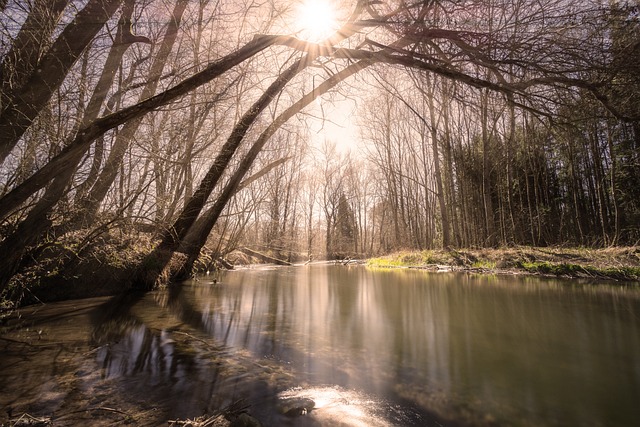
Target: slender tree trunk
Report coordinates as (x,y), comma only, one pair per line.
(193,246)
(99,127)
(613,185)
(575,197)
(92,202)
(29,45)
(600,182)
(192,129)
(23,106)
(444,216)
(511,142)
(449,179)
(490,225)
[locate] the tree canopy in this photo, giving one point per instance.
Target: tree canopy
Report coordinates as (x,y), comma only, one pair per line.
(485,122)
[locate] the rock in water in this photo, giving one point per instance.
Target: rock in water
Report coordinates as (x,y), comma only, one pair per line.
(296,406)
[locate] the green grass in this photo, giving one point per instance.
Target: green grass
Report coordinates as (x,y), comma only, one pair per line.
(490,265)
(567,263)
(575,270)
(408,259)
(385,262)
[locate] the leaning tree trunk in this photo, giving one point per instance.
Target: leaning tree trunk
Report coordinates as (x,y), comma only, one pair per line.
(85,136)
(154,265)
(23,106)
(28,46)
(31,229)
(89,206)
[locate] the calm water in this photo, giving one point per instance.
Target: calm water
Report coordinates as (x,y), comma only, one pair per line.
(369,347)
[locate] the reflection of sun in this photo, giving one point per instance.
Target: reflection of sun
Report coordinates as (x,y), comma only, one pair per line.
(316,19)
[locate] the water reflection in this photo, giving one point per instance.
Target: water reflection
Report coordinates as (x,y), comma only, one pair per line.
(473,349)
(332,406)
(365,347)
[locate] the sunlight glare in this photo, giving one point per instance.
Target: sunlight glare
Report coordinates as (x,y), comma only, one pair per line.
(316,19)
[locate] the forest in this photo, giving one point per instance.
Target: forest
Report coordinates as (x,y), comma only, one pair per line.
(143,140)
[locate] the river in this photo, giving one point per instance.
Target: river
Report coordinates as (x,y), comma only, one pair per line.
(358,347)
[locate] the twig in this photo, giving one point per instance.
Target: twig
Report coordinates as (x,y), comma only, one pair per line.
(98,408)
(104,408)
(208,344)
(196,422)
(30,420)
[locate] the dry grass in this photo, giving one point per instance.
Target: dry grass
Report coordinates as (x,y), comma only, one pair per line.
(618,263)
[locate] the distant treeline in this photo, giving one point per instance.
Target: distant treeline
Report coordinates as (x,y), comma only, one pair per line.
(186,126)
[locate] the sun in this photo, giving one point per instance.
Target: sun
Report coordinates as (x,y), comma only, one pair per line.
(316,19)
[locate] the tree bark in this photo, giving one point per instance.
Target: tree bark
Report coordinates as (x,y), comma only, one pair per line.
(31,229)
(91,203)
(23,106)
(490,225)
(27,48)
(85,136)
(444,216)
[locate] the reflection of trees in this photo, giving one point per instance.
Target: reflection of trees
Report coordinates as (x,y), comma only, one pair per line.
(111,320)
(448,343)
(128,345)
(144,349)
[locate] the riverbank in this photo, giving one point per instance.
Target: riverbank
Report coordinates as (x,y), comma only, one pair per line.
(617,263)
(105,267)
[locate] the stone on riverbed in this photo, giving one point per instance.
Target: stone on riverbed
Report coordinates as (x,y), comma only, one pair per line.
(295,406)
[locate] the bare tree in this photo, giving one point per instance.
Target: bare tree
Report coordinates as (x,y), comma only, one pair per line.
(90,204)
(542,59)
(20,107)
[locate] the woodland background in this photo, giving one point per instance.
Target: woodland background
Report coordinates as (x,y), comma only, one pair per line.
(156,133)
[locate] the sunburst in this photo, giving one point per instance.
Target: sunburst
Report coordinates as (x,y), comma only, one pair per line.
(316,19)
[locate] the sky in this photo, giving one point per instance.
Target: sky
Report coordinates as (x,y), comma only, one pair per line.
(339,125)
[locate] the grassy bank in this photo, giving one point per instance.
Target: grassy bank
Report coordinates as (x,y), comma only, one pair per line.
(619,263)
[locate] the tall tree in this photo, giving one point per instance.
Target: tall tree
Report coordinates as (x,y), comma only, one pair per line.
(21,107)
(28,47)
(30,230)
(91,203)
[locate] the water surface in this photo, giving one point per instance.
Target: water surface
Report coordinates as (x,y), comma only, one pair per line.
(367,347)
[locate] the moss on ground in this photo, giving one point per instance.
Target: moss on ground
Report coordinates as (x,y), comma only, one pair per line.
(620,263)
(577,270)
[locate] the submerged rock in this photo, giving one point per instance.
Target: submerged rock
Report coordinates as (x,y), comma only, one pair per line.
(295,406)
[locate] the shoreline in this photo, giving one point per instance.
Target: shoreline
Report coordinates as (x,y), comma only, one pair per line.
(107,276)
(619,264)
